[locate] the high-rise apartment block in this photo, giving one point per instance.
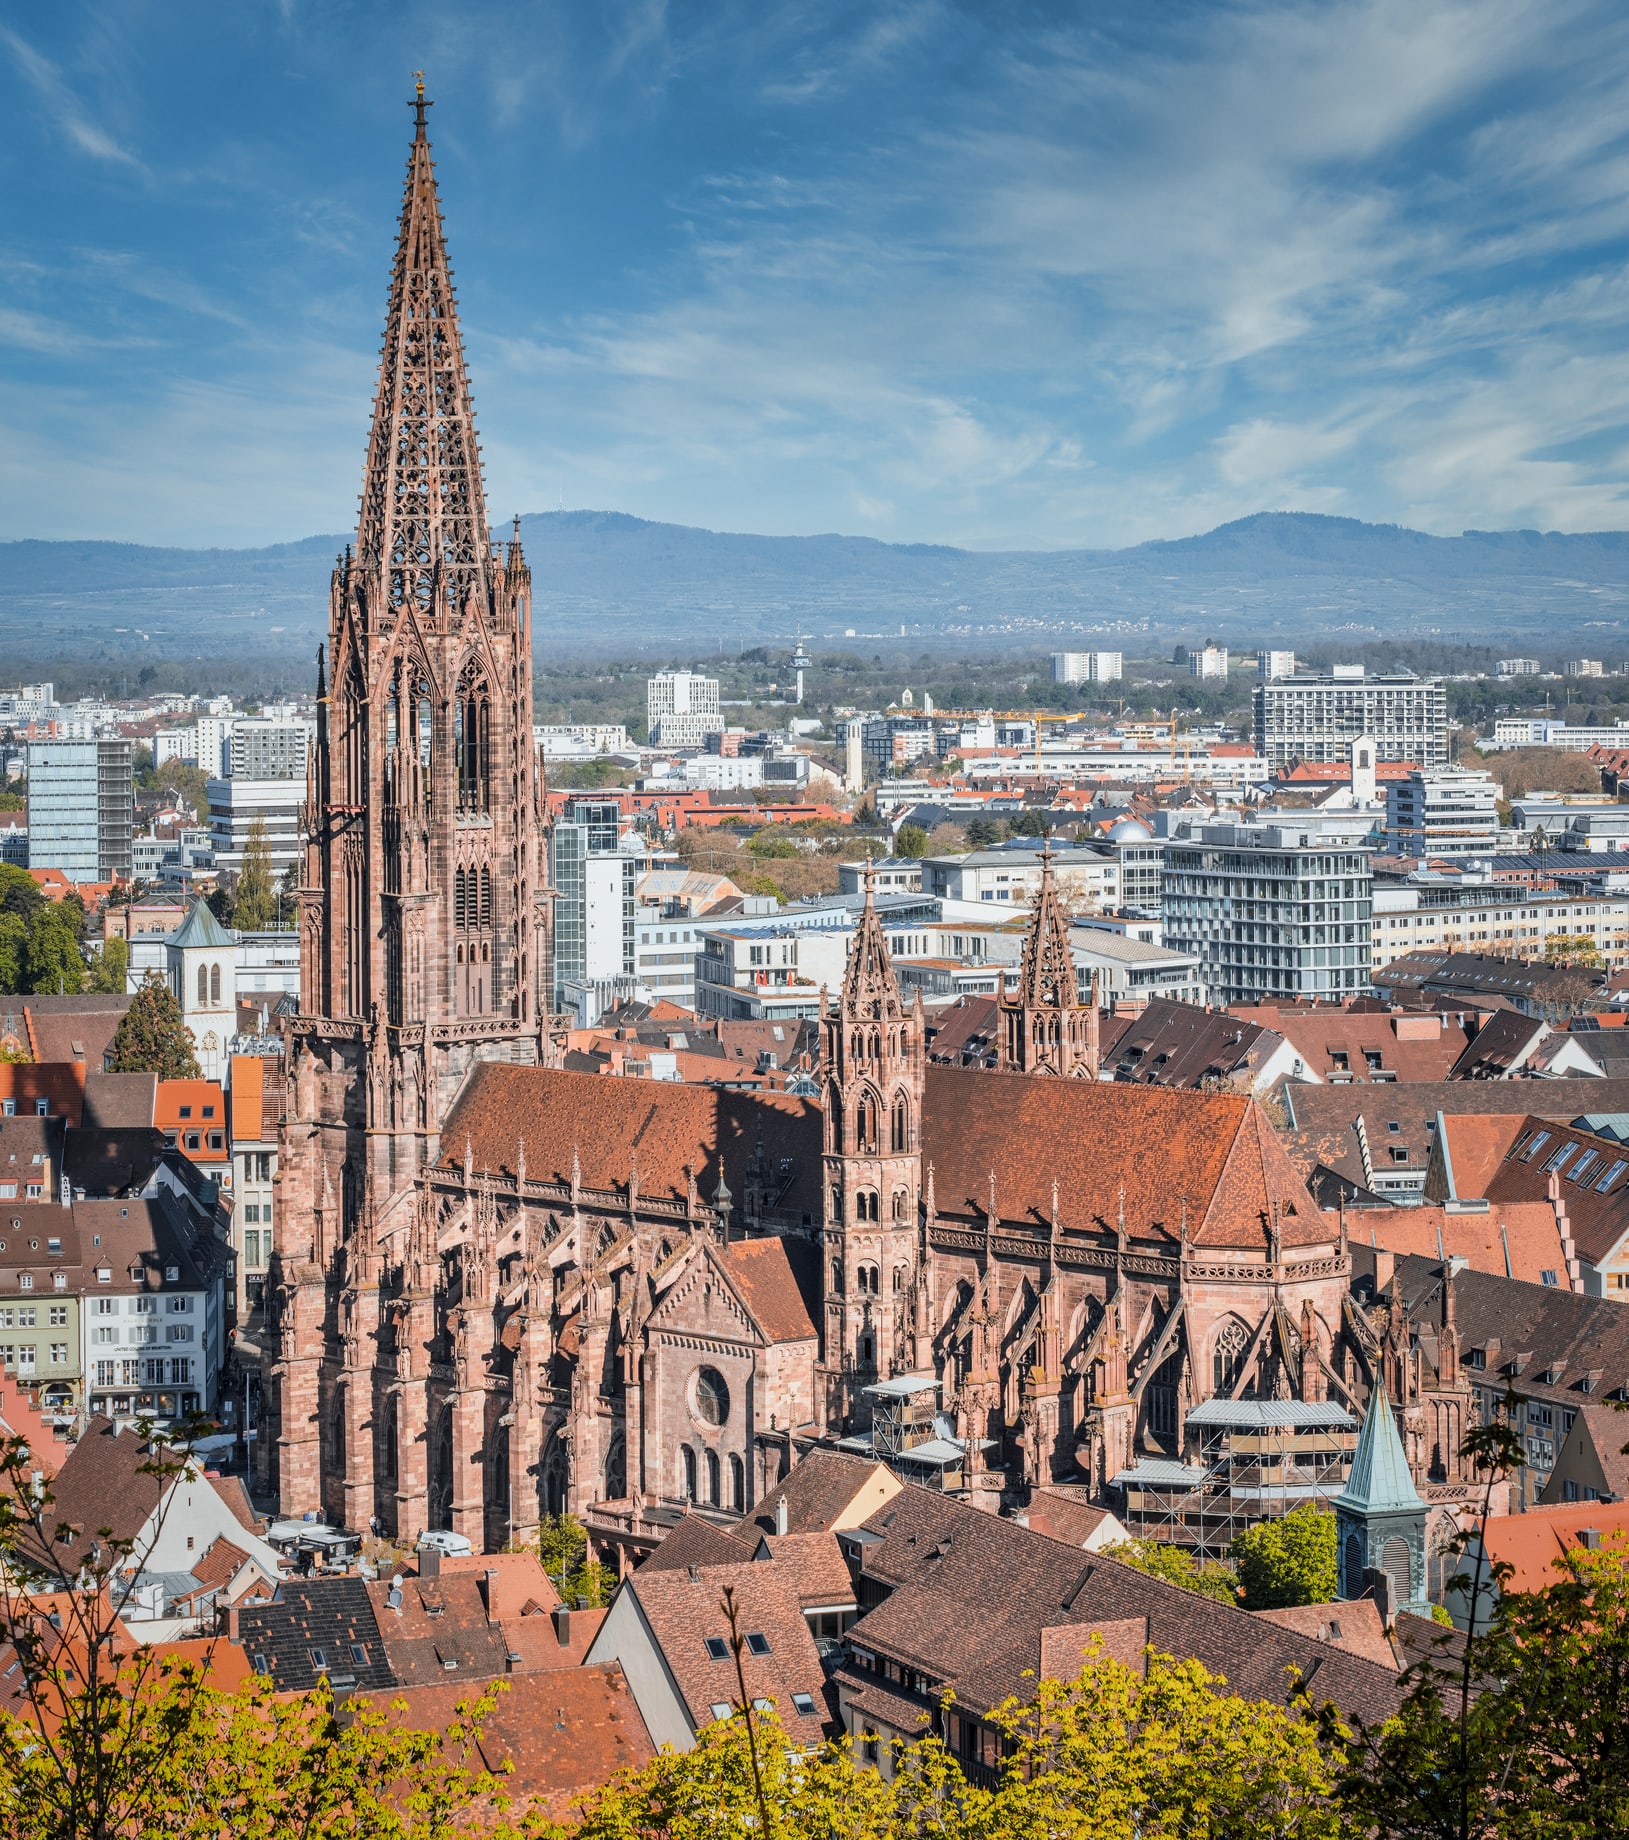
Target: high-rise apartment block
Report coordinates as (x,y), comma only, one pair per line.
(268,750)
(682,709)
(1517,667)
(1208,660)
(81,808)
(1585,667)
(1086,667)
(594,883)
(1273,909)
(234,807)
(1317,715)
(1275,664)
(1443,811)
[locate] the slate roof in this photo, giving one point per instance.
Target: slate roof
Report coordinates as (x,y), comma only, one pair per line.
(1580,1339)
(329,1618)
(1402,1045)
(1180,1044)
(120,1101)
(116,1161)
(74,1028)
(972,1596)
(1577,1163)
(1504,1039)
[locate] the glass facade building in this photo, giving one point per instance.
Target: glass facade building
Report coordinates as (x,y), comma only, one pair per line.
(81,808)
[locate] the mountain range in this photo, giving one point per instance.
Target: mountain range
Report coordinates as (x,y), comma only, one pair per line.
(612,584)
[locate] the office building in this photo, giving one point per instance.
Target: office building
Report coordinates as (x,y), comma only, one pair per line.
(682,709)
(1275,664)
(594,880)
(1209,660)
(1317,715)
(1278,909)
(81,808)
(1540,731)
(1443,811)
(1474,913)
(1086,667)
(235,804)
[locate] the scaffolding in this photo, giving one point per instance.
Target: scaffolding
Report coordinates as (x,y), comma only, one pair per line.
(911,1434)
(1247,1460)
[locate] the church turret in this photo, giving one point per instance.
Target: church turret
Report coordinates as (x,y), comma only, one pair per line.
(1379,1516)
(872,1058)
(1044,1026)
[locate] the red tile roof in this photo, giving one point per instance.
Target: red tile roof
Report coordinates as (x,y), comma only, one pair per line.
(1152,1150)
(61,1084)
(1512,1240)
(1532,1543)
(779,1282)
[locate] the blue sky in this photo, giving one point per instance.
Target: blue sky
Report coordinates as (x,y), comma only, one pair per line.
(1008,273)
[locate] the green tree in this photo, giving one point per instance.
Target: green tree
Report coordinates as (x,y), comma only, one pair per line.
(13,952)
(1289,1561)
(110,966)
(56,966)
(1176,1565)
(772,842)
(20,894)
(562,1547)
(256,909)
(982,832)
(152,1037)
(912,842)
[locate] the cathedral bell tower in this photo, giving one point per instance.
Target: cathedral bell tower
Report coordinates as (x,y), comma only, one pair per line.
(873,1052)
(424,930)
(1044,1026)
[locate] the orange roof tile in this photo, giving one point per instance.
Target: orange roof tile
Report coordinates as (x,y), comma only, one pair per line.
(779,1282)
(1512,1240)
(1531,1543)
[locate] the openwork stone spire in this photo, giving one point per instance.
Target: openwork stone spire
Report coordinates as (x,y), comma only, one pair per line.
(870,987)
(1045,1028)
(423,510)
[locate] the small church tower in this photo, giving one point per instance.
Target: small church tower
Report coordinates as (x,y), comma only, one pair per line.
(1045,1028)
(201,962)
(872,1060)
(1379,1516)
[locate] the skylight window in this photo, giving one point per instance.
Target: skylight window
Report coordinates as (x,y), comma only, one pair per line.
(803,1703)
(720,1709)
(758,1644)
(1559,1160)
(717,1649)
(1535,1144)
(1611,1176)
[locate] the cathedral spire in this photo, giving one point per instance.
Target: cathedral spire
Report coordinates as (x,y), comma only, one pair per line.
(423,510)
(1045,1028)
(1046,975)
(870,988)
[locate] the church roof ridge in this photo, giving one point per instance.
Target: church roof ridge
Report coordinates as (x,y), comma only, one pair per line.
(201,928)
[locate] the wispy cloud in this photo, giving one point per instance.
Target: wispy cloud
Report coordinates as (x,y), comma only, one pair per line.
(70,116)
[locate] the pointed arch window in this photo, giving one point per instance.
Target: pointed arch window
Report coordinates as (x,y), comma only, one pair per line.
(1227,1355)
(427,737)
(900,1137)
(837,1277)
(472,721)
(486,897)
(214,983)
(203,983)
(460,907)
(865,1122)
(687,1473)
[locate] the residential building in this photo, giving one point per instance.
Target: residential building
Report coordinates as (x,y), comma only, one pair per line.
(255,1104)
(1316,716)
(1088,881)
(1141,856)
(1543,731)
(1478,917)
(262,749)
(892,875)
(1555,992)
(155,1307)
(1086,667)
(1530,1551)
(1517,667)
(234,807)
(1592,1464)
(205,743)
(81,808)
(41,1269)
(1275,664)
(682,709)
(1585,667)
(1272,910)
(1443,811)
(1345,1046)
(581,740)
(1182,1046)
(1208,660)
(1128,972)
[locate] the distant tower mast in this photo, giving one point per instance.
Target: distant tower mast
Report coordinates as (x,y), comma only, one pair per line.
(801,662)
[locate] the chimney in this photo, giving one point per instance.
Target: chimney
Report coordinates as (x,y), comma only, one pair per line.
(1385,1264)
(429,1563)
(489,1590)
(782,1517)
(1381,1583)
(562,1624)
(1589,1538)
(232,1634)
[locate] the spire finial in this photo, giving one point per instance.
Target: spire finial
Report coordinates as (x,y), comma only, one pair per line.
(418,104)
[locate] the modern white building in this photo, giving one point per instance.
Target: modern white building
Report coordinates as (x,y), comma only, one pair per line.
(1279,909)
(1540,731)
(1317,715)
(682,709)
(581,740)
(234,805)
(1517,667)
(1275,664)
(1585,667)
(1443,811)
(262,748)
(1131,972)
(1086,667)
(1473,913)
(1087,882)
(1208,660)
